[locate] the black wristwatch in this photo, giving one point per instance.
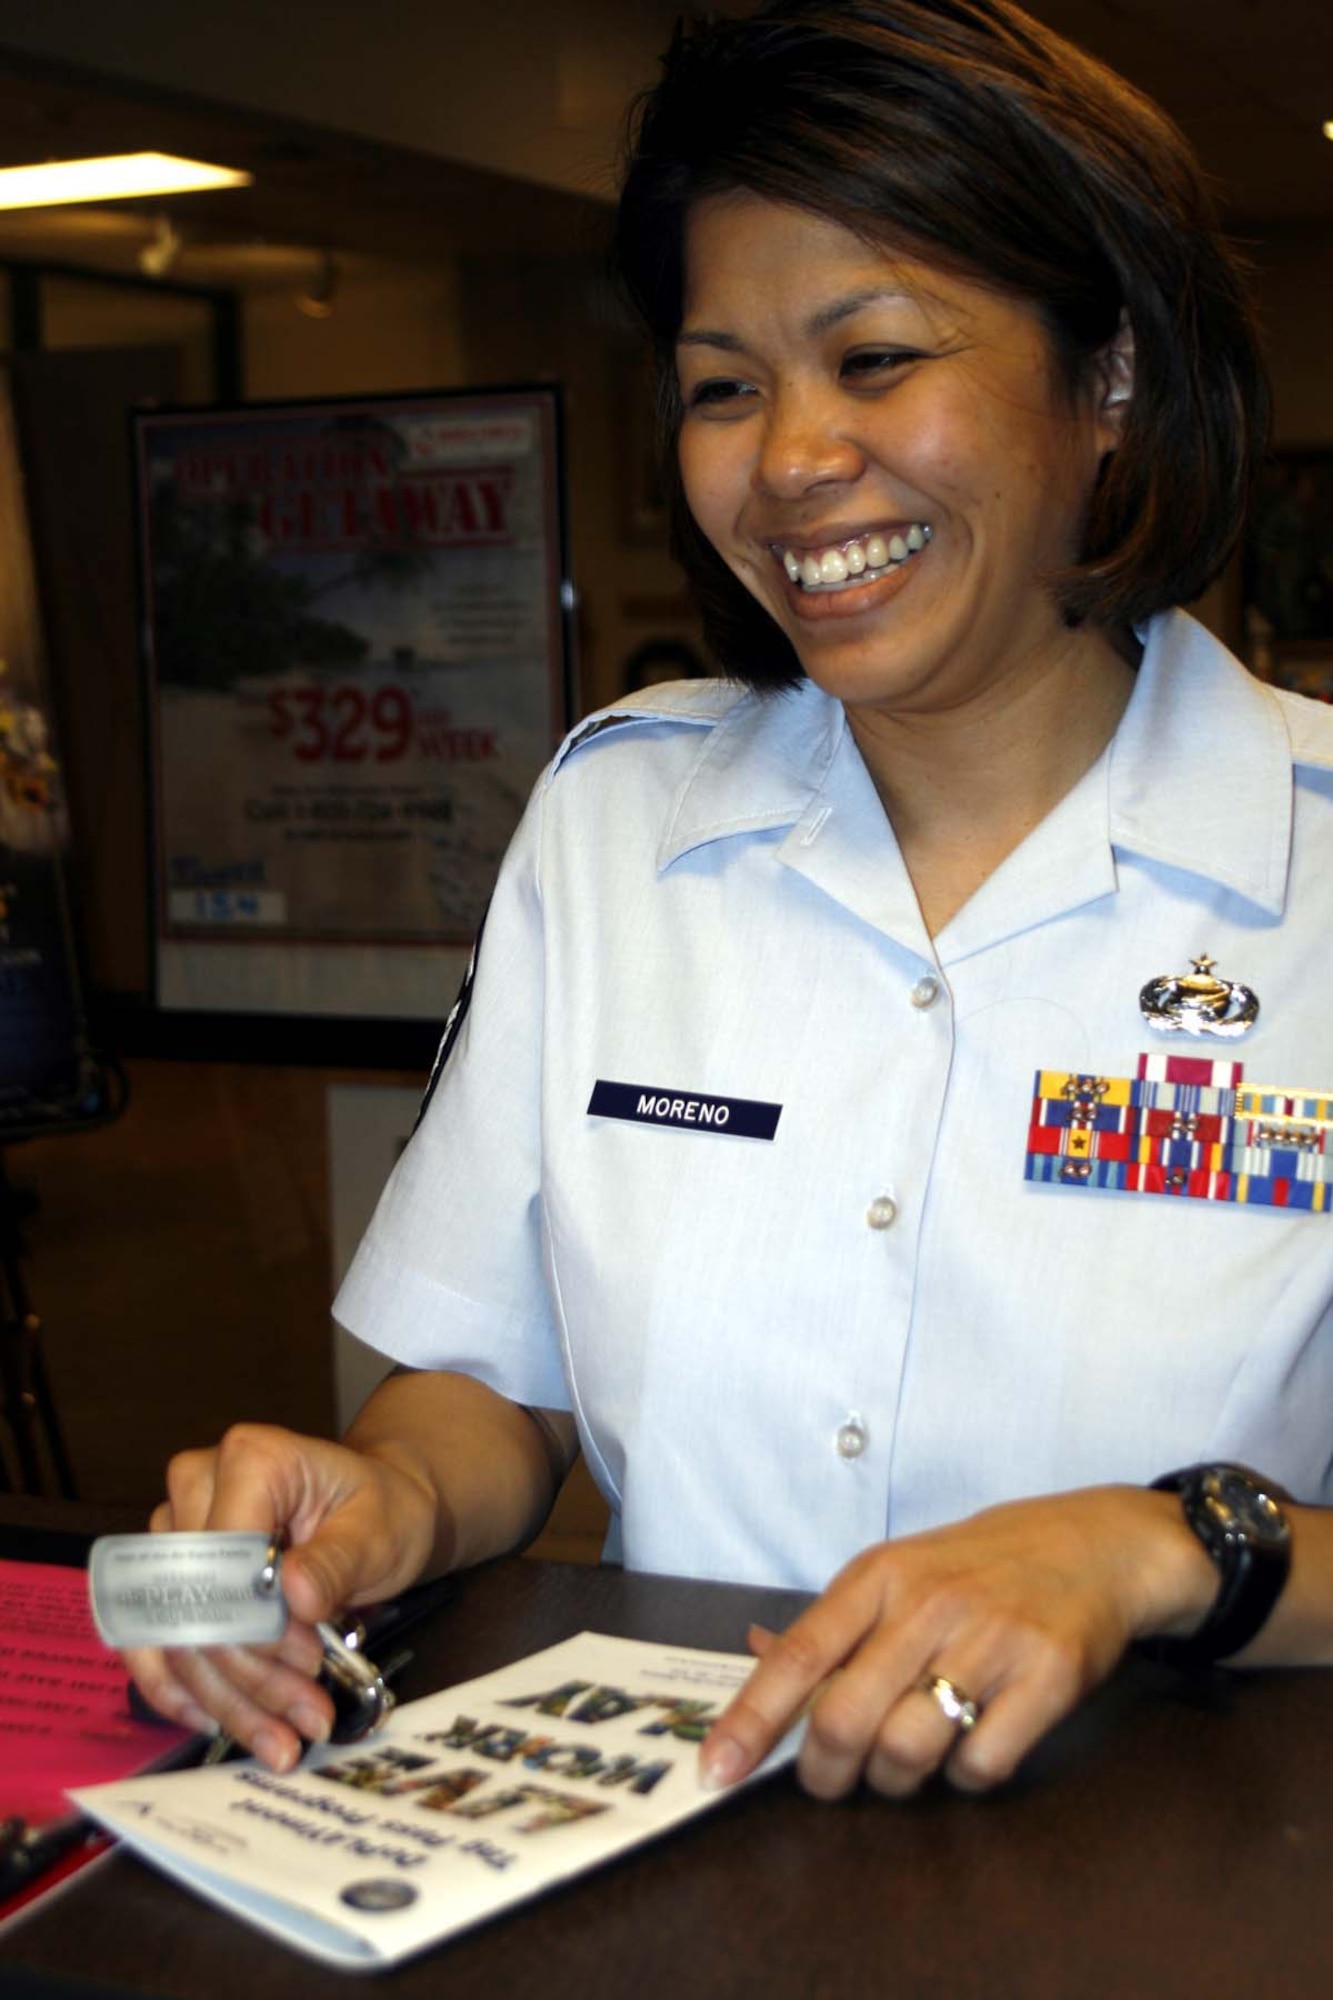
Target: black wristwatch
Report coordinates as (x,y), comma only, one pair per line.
(1237,1515)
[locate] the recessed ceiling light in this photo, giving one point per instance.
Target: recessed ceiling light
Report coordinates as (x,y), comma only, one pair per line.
(118,177)
(1328,128)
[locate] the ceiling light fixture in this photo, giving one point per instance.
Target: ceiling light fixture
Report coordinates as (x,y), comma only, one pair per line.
(1328,128)
(117,177)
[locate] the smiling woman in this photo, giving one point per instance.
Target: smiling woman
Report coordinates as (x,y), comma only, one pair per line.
(889,460)
(810,1147)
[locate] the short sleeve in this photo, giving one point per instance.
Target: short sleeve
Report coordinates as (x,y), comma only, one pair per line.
(450,1273)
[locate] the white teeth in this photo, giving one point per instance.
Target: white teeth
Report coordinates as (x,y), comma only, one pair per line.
(834,568)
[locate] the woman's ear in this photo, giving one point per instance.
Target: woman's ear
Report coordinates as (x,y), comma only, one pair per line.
(1113,376)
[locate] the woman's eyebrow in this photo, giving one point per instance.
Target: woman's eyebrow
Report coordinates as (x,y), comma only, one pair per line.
(703,337)
(838,310)
(821,321)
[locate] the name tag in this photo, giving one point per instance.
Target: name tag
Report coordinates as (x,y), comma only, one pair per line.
(651,1104)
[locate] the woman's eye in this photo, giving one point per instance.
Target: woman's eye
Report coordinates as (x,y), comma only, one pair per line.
(869,362)
(717,393)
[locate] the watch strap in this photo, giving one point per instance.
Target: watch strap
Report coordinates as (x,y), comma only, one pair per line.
(1252,1570)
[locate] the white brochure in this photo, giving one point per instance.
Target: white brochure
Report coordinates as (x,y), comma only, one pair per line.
(465,1803)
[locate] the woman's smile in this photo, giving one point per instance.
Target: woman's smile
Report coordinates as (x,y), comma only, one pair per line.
(840,576)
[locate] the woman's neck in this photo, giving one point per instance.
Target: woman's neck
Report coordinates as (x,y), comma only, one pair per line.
(962,788)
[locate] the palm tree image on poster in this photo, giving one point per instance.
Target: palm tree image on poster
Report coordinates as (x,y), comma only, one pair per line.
(224,612)
(356,661)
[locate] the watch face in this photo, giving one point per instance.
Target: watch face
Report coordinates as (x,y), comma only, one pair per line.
(1240,1510)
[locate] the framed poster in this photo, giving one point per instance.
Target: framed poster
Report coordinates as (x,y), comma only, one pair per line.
(357,661)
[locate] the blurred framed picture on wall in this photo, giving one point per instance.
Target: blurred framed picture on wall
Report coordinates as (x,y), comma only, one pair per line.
(50,1078)
(642,496)
(1288,574)
(356,661)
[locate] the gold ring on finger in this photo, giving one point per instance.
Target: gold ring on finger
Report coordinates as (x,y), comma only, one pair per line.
(955,1706)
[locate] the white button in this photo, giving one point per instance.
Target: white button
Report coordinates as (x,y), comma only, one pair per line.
(926,992)
(882,1211)
(851,1440)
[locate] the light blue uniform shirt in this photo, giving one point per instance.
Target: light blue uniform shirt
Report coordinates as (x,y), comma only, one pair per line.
(780,1350)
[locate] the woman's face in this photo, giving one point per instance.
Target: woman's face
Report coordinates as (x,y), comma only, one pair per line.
(882,453)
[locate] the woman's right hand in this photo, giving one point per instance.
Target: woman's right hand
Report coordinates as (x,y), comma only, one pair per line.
(358,1527)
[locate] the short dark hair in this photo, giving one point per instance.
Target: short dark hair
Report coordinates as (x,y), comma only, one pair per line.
(966,134)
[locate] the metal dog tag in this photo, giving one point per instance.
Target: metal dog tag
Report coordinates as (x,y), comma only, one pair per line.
(210,1589)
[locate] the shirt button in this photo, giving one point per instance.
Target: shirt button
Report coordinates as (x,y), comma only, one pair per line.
(882,1212)
(926,992)
(852,1439)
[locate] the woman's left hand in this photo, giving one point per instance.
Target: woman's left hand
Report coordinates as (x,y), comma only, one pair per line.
(1023,1608)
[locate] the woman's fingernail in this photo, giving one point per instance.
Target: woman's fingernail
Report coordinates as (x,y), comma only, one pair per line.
(312,1722)
(199,1720)
(273,1746)
(721,1762)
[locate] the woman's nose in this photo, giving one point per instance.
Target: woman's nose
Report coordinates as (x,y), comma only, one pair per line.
(805,445)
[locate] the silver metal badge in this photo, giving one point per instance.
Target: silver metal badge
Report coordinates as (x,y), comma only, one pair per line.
(208,1589)
(1194,1003)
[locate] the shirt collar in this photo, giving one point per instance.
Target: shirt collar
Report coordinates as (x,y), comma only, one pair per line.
(1201,766)
(762,766)
(1200,769)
